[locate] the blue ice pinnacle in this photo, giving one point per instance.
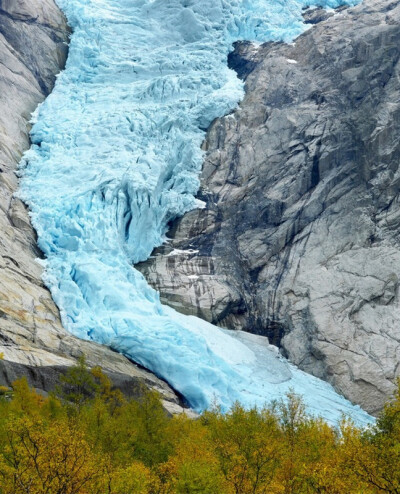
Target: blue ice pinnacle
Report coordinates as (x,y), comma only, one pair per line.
(116,155)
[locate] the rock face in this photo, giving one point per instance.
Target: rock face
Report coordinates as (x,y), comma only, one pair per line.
(300,237)
(33,49)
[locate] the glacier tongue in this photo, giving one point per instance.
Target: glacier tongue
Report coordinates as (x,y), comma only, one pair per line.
(116,156)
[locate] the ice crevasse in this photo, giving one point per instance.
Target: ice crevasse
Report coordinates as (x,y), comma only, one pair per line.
(116,155)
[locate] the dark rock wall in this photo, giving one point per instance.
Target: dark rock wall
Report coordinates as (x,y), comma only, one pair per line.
(300,238)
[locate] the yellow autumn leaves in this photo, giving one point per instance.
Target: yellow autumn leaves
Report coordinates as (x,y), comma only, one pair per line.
(88,439)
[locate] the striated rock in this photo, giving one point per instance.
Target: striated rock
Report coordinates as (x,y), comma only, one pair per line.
(316,15)
(33,49)
(300,237)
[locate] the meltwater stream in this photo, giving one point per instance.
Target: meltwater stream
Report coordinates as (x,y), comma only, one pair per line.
(116,155)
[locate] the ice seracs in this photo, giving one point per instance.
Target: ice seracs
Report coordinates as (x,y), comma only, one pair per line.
(116,155)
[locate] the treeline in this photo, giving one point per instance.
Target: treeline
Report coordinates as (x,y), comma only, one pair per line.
(87,438)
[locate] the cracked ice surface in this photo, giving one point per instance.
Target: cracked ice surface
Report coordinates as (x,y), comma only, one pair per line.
(116,155)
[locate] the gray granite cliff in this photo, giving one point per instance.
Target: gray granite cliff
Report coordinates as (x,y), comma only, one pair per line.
(33,49)
(300,237)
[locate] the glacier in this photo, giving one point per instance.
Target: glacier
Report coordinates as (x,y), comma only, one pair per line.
(116,155)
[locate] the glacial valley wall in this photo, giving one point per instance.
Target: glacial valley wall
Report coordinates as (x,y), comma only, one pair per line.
(33,49)
(300,236)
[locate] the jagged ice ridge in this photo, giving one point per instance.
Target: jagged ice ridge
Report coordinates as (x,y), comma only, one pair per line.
(116,155)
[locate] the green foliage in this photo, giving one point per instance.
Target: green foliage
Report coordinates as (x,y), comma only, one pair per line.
(5,392)
(375,454)
(248,446)
(151,443)
(78,385)
(86,438)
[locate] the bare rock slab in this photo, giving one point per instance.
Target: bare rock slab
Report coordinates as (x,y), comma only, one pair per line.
(33,49)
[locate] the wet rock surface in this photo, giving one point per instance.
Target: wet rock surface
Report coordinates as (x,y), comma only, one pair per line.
(33,49)
(300,237)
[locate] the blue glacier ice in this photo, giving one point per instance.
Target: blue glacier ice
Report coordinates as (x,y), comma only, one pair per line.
(116,155)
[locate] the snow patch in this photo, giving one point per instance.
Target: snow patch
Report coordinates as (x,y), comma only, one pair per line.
(179,252)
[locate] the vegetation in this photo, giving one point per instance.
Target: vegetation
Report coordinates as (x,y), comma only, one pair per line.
(88,439)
